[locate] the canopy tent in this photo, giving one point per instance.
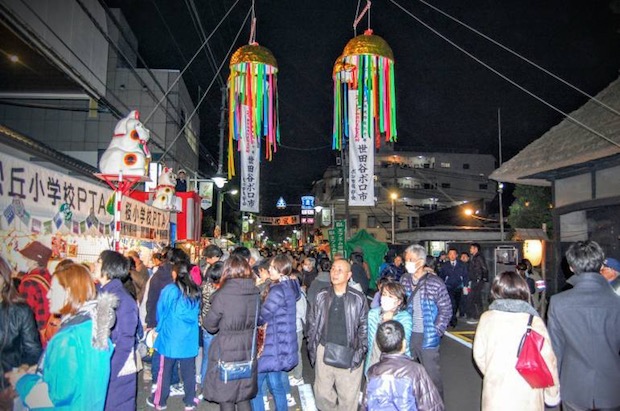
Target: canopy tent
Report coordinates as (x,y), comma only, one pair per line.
(373,251)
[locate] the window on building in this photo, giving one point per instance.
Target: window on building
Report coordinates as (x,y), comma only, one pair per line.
(428,186)
(445,165)
(371,221)
(354,219)
(445,185)
(483,186)
(465,166)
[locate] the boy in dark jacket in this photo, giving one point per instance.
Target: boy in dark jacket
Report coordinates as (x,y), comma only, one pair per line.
(396,382)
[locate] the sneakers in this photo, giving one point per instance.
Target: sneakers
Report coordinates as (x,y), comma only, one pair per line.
(471,321)
(295,381)
(177,390)
(193,406)
(151,403)
(290,401)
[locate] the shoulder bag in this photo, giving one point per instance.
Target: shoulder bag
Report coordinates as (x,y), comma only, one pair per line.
(530,362)
(335,355)
(239,370)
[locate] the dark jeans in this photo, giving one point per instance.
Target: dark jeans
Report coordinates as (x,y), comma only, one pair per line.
(155,370)
(429,358)
(455,299)
(164,377)
(240,406)
(475,308)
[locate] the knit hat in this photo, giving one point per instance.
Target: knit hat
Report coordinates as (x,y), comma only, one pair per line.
(37,252)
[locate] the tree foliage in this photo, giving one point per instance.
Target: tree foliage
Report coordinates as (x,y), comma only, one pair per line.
(531,207)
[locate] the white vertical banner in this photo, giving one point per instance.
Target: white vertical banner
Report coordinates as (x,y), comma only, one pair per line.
(361,158)
(250,173)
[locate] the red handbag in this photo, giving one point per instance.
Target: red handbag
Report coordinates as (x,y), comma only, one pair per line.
(530,362)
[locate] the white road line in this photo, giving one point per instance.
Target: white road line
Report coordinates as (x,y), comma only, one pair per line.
(306,397)
(458,340)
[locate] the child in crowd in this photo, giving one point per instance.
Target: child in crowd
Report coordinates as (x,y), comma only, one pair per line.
(396,382)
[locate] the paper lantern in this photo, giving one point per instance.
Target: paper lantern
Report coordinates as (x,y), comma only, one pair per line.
(364,91)
(533,251)
(252,100)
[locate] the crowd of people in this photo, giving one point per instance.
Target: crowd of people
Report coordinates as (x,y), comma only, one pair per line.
(230,329)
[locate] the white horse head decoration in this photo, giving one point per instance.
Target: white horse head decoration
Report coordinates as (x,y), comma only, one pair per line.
(128,152)
(164,193)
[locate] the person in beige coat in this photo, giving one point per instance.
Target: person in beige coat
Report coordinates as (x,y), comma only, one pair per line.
(496,345)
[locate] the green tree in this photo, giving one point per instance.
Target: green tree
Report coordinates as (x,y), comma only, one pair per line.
(531,207)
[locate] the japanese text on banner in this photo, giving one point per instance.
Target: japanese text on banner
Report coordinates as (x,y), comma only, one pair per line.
(250,175)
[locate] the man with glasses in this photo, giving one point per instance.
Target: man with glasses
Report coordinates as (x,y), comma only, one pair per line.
(429,303)
(337,341)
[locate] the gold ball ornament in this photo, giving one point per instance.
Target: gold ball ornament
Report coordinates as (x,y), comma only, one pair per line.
(253,53)
(368,43)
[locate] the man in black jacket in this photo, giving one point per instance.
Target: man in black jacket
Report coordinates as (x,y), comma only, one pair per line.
(479,279)
(454,274)
(584,327)
(338,324)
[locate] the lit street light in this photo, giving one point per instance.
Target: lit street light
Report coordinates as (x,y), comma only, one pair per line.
(220,203)
(393,197)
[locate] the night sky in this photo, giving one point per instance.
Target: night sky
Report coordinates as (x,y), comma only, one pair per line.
(446,100)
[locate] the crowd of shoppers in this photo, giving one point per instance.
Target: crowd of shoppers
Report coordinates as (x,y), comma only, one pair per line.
(244,308)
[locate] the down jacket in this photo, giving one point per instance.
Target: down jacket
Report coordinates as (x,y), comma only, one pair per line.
(398,383)
(436,306)
(232,319)
(356,311)
(278,311)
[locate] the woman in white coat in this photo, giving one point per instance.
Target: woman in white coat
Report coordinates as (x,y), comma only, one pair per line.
(496,345)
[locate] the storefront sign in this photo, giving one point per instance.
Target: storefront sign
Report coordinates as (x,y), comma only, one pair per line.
(285,220)
(337,238)
(205,190)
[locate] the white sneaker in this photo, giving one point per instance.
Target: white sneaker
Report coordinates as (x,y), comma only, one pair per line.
(295,381)
(177,390)
(266,402)
(290,401)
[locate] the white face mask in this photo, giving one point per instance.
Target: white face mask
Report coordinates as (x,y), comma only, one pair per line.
(388,303)
(411,267)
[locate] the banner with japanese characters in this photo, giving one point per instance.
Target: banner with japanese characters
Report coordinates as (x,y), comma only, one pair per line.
(361,159)
(250,175)
(139,220)
(27,189)
(284,220)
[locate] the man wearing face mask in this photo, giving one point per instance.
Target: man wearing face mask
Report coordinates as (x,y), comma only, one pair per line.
(429,303)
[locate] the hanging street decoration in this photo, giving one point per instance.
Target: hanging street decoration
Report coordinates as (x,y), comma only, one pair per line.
(252,101)
(364,92)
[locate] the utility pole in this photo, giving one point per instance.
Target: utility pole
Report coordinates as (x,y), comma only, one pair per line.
(500,186)
(345,182)
(220,160)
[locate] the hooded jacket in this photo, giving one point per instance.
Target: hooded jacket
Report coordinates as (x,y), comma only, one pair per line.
(76,363)
(278,312)
(177,324)
(397,383)
(356,319)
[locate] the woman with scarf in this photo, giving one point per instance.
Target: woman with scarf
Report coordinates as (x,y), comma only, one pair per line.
(393,306)
(75,369)
(496,345)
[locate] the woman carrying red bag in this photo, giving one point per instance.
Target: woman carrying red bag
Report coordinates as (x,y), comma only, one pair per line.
(496,346)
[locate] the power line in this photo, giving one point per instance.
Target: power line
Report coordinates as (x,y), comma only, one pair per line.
(520,87)
(210,84)
(514,53)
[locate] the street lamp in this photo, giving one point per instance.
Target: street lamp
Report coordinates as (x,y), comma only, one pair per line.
(393,197)
(220,203)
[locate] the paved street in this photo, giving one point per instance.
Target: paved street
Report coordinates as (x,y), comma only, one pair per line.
(462,383)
